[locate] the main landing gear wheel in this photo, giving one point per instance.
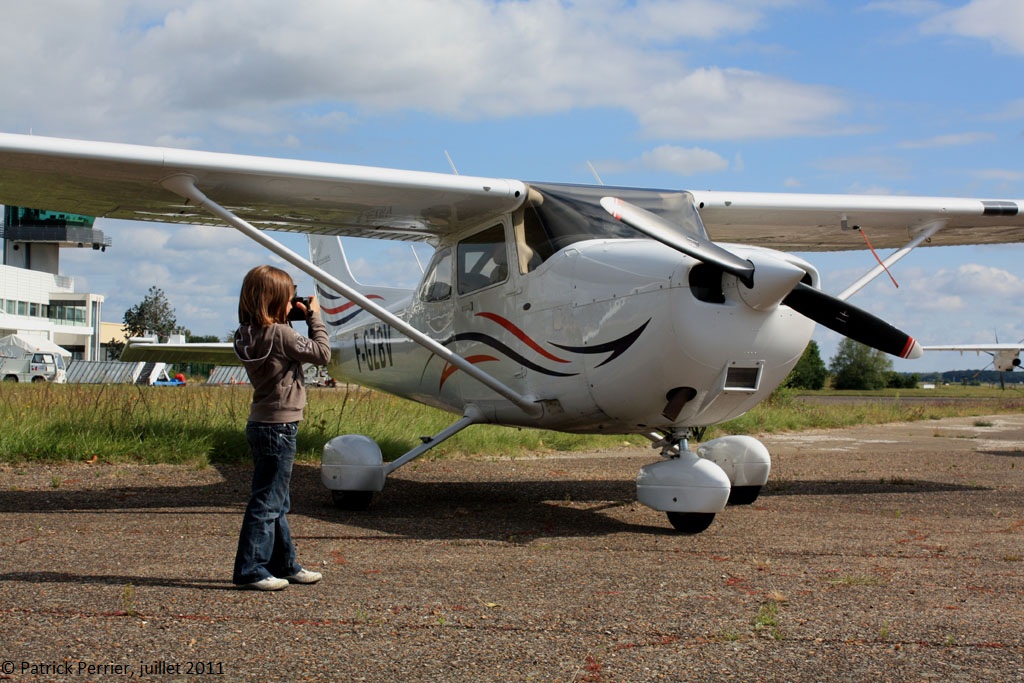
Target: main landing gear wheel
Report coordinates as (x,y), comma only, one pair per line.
(353,501)
(690,522)
(744,495)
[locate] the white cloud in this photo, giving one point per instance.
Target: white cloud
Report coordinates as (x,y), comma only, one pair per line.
(1010,176)
(949,140)
(997,21)
(970,291)
(233,74)
(683,161)
(943,305)
(199,268)
(879,166)
(984,281)
(1011,111)
(905,7)
(136,237)
(186,75)
(733,103)
(672,159)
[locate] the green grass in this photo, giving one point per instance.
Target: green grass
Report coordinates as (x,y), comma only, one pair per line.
(787,410)
(199,424)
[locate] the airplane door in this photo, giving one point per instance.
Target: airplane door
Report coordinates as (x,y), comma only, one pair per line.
(485,311)
(433,312)
(435,296)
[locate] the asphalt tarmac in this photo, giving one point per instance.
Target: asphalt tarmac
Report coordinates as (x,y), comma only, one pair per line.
(891,553)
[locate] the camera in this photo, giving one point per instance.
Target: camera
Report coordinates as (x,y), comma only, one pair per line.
(298,314)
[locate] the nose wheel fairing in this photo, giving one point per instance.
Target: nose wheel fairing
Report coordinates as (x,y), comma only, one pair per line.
(692,487)
(685,483)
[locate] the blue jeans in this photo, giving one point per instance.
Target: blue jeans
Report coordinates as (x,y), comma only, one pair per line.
(265,542)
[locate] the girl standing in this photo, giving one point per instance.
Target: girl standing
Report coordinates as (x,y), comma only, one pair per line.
(273,353)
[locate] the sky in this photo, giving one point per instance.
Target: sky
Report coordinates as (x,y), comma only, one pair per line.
(914,97)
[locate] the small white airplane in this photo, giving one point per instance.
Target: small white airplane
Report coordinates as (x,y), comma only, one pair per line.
(586,309)
(1005,357)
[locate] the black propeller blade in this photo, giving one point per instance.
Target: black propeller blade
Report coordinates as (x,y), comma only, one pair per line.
(850,321)
(822,308)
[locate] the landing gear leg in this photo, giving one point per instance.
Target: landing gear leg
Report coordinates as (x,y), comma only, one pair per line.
(353,468)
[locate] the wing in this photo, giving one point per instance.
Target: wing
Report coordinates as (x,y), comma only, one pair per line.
(981,348)
(124,181)
(148,350)
(806,222)
(1005,357)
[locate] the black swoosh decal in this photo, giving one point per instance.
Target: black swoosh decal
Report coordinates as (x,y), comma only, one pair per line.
(616,346)
(500,347)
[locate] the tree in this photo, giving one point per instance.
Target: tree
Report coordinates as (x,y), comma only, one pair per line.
(899,380)
(153,314)
(810,371)
(856,366)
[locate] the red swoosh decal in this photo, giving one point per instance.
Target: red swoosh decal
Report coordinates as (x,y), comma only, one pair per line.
(450,369)
(347,306)
(520,335)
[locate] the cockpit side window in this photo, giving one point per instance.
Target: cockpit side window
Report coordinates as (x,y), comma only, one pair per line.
(482,260)
(437,283)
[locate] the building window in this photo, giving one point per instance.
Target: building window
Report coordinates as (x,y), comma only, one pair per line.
(67,312)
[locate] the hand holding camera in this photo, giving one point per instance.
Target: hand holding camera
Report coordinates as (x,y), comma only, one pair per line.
(302,306)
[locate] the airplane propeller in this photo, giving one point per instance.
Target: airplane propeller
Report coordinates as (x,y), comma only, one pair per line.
(822,308)
(657,228)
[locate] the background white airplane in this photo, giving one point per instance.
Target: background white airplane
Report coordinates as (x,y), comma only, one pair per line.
(577,308)
(1005,357)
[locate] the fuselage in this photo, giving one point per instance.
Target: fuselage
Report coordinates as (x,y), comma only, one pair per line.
(614,335)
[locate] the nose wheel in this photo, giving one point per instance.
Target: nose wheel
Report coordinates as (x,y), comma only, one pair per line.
(689,489)
(690,522)
(352,501)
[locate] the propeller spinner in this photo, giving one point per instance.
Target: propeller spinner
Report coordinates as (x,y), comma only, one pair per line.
(822,308)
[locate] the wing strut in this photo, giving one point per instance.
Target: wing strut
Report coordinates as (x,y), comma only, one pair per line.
(185,186)
(923,235)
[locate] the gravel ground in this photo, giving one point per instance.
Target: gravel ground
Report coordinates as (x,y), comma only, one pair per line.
(891,553)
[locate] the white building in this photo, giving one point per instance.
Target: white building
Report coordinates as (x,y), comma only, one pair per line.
(35,300)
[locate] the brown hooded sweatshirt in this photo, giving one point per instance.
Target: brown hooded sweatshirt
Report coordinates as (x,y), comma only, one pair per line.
(273,358)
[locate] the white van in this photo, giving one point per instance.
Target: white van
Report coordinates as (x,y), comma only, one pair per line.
(40,367)
(22,360)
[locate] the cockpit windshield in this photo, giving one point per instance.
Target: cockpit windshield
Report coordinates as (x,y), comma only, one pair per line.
(559,215)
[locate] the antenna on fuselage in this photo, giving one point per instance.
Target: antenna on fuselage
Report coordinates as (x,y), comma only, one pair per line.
(417,256)
(450,162)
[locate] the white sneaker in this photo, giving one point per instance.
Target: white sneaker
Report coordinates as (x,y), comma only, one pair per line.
(304,576)
(271,583)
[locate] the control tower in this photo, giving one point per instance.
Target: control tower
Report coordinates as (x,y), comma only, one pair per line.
(35,299)
(33,238)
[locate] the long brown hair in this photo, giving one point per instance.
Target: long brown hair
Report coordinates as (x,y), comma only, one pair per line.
(266,291)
